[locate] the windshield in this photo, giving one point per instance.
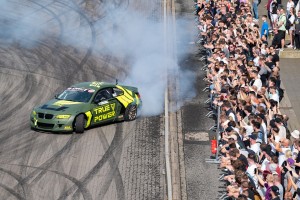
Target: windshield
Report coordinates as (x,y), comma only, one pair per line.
(76,94)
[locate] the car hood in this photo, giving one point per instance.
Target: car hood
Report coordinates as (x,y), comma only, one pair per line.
(55,106)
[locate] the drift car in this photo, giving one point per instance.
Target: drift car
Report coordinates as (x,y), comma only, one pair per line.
(87,104)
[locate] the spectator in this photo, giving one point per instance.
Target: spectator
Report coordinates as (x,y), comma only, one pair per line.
(273,13)
(254,146)
(291,30)
(294,136)
(255,8)
(277,183)
(274,193)
(281,148)
(264,27)
(290,4)
(280,126)
(281,26)
(267,184)
(243,74)
(297,31)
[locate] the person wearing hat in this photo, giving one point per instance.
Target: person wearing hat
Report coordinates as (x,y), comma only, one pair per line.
(294,135)
(267,184)
(278,184)
(275,193)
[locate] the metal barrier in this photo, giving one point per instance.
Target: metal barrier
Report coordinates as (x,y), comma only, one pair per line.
(216,159)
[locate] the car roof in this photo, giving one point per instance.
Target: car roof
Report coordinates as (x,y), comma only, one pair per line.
(93,85)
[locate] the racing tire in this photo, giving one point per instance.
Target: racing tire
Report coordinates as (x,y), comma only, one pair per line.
(79,124)
(130,113)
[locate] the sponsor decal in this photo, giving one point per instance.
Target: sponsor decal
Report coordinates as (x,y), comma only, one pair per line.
(104,112)
(96,84)
(81,89)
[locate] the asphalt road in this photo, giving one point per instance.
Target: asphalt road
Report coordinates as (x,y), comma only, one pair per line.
(116,161)
(201,177)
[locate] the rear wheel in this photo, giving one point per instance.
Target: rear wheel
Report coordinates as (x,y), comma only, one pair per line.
(79,123)
(130,113)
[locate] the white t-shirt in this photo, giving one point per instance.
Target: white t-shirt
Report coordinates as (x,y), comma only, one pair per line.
(256,148)
(264,127)
(264,164)
(275,97)
(249,130)
(281,157)
(282,132)
(255,60)
(292,20)
(258,84)
(250,171)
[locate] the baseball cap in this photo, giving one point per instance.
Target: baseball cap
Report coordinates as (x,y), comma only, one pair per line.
(290,161)
(275,189)
(253,136)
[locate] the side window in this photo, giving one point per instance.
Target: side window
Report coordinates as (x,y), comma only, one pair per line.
(104,94)
(117,92)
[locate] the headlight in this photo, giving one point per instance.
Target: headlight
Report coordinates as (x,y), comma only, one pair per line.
(63,116)
(33,113)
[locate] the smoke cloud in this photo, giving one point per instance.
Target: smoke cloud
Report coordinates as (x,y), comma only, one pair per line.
(120,30)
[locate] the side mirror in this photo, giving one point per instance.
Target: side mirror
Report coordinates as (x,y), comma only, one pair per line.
(56,96)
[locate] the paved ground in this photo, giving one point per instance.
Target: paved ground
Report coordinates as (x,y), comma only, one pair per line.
(290,105)
(201,177)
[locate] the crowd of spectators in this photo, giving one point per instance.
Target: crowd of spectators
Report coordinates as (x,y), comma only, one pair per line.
(260,157)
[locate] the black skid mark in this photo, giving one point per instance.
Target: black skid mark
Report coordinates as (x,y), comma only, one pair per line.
(117,140)
(114,171)
(26,191)
(84,191)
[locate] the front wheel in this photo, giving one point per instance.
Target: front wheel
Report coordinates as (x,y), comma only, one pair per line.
(130,113)
(79,123)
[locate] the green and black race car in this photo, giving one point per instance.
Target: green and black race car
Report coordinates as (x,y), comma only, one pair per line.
(87,104)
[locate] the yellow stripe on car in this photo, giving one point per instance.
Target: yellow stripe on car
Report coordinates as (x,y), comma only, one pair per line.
(65,102)
(126,98)
(123,100)
(89,118)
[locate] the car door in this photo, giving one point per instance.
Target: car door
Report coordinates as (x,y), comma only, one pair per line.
(105,107)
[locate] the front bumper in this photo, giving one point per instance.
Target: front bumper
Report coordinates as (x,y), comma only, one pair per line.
(55,125)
